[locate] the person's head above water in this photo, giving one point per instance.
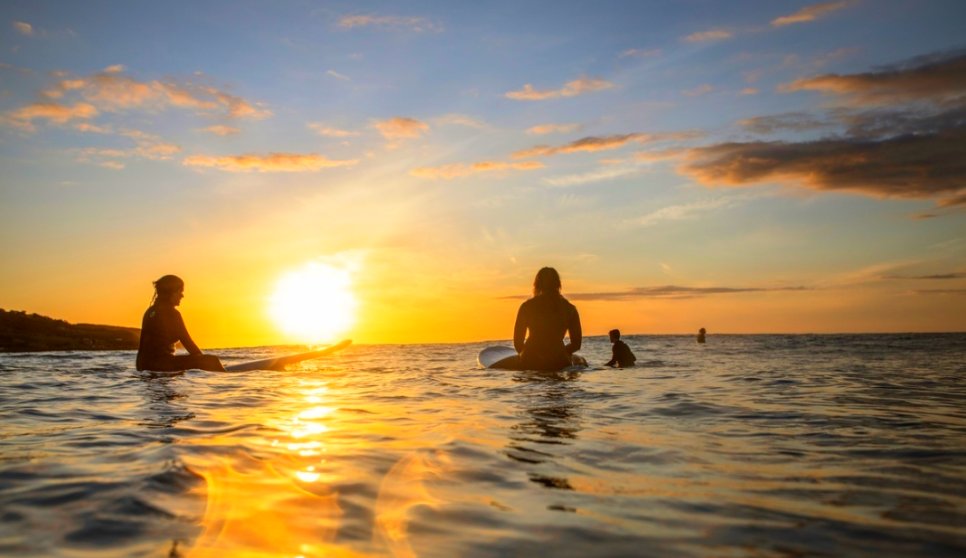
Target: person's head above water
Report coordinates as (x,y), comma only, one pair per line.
(547,281)
(168,289)
(615,334)
(701,331)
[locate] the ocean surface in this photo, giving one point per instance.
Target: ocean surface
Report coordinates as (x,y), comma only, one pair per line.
(750,445)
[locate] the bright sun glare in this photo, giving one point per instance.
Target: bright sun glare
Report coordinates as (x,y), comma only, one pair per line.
(314,303)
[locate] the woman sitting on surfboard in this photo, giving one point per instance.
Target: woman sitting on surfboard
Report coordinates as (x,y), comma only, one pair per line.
(548,316)
(163,326)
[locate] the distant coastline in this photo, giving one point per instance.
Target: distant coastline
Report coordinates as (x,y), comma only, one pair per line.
(21,332)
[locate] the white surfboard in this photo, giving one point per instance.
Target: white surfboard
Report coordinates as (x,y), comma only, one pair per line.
(491,356)
(279,363)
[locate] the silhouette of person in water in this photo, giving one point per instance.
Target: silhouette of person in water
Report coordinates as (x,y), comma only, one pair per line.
(162,326)
(622,355)
(701,335)
(548,316)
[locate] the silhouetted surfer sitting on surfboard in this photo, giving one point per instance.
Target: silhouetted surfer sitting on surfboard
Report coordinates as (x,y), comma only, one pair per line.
(163,326)
(548,316)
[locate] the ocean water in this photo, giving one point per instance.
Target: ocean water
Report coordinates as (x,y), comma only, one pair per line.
(770,445)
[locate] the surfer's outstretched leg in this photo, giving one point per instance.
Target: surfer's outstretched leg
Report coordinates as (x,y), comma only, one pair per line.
(210,363)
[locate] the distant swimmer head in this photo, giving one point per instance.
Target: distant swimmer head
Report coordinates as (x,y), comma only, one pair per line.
(701,331)
(546,281)
(615,334)
(169,288)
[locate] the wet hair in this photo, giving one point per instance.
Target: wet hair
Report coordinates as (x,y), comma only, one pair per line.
(615,333)
(547,281)
(166,285)
(701,330)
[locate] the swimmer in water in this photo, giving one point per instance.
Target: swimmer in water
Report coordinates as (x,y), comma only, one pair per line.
(622,356)
(163,326)
(701,335)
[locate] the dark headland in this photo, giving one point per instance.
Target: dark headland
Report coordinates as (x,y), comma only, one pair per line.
(21,332)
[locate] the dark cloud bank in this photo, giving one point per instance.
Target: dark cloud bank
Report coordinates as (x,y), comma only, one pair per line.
(903,136)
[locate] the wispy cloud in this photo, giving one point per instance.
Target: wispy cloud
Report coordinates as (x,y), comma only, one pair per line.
(750,91)
(417,24)
(607,173)
(685,211)
(337,75)
(24,28)
(397,128)
(809,13)
(573,88)
(460,120)
(795,121)
(460,169)
(698,91)
(937,276)
(600,143)
(272,162)
(221,130)
(114,92)
(53,113)
(955,292)
(637,53)
(669,292)
(115,69)
(323,130)
(553,128)
(712,35)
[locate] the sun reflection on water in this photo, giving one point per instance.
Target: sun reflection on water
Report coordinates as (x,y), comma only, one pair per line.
(282,503)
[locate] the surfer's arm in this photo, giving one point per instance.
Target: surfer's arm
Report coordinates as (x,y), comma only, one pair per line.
(186,341)
(613,359)
(576,333)
(519,332)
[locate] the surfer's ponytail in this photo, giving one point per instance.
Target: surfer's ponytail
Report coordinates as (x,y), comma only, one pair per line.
(547,281)
(166,285)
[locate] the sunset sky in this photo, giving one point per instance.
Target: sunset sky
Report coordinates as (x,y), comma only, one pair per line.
(743,166)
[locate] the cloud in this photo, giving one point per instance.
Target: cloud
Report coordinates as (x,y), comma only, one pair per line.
(641,53)
(959,292)
(460,120)
(668,292)
(12,68)
(553,128)
(573,88)
(220,130)
(938,276)
(713,35)
(115,69)
(910,166)
(112,165)
(113,92)
(937,78)
(686,211)
(401,128)
(152,149)
(809,13)
(750,91)
(93,128)
(417,24)
(51,112)
(24,28)
(904,137)
(272,162)
(795,121)
(598,175)
(697,91)
(337,75)
(323,130)
(600,143)
(460,169)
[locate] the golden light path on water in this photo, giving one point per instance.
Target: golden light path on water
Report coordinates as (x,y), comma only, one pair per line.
(280,504)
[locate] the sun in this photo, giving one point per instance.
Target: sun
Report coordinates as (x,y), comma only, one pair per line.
(314,303)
